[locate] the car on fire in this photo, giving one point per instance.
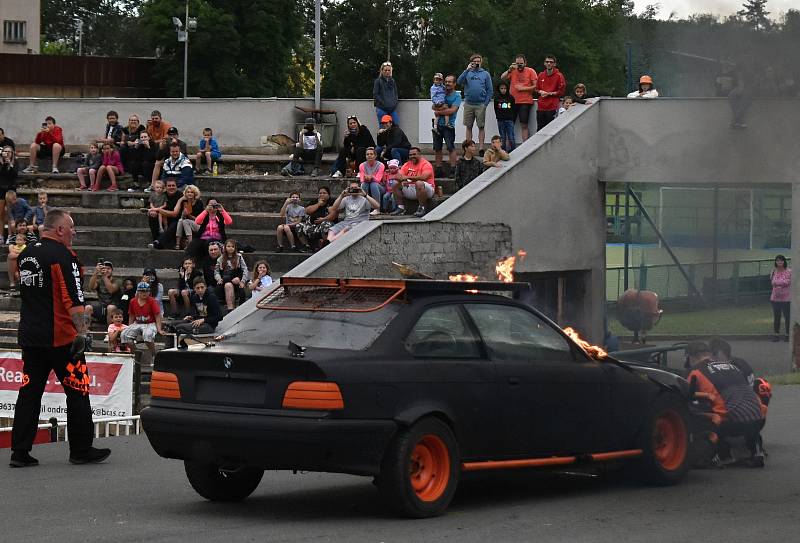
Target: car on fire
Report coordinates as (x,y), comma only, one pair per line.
(413,382)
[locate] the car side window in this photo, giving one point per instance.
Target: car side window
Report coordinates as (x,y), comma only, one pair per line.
(442,332)
(512,333)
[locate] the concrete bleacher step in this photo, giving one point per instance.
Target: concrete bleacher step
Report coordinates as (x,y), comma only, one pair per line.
(86,218)
(271,184)
(170,258)
(125,236)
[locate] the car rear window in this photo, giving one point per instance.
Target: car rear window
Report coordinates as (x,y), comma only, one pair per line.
(321,329)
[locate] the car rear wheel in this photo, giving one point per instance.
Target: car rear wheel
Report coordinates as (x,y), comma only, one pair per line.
(216,484)
(665,442)
(420,470)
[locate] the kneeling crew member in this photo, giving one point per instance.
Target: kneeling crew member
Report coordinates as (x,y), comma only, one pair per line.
(51,335)
(740,410)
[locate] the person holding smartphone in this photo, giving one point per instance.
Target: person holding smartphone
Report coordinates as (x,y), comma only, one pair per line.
(356,205)
(49,143)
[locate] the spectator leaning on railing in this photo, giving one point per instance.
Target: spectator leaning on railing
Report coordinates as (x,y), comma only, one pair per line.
(646,89)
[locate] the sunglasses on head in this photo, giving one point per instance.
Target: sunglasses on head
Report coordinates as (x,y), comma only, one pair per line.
(387,63)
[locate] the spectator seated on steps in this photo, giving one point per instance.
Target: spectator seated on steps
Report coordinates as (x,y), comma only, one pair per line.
(17,209)
(49,143)
(314,227)
(164,232)
(209,149)
(392,169)
(144,320)
(178,167)
(469,166)
(127,145)
(186,276)
(205,312)
(495,154)
(112,135)
(40,211)
(355,204)
(150,277)
(307,150)
(5,141)
(191,206)
(261,280)
(231,275)
(115,331)
(213,221)
(158,130)
(371,173)
(109,292)
(416,182)
(357,139)
(128,294)
(392,141)
(292,214)
(112,165)
(88,167)
(208,262)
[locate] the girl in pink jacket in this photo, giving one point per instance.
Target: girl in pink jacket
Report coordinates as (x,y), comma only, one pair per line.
(781,278)
(112,165)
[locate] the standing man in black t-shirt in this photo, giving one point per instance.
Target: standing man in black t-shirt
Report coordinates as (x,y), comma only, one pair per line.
(51,335)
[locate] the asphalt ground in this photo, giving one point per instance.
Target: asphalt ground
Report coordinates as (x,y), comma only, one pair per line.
(138,496)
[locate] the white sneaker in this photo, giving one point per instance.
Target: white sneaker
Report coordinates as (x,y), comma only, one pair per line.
(55,170)
(148,189)
(337,174)
(374,212)
(30,169)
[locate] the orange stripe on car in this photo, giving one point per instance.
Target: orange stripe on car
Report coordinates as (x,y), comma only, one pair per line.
(549,461)
(313,395)
(165,385)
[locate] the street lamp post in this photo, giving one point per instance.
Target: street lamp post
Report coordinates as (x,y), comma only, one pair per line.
(183,36)
(79,23)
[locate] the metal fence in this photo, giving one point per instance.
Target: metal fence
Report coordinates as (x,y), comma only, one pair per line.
(733,279)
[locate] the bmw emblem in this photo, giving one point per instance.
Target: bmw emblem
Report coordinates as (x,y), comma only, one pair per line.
(227,362)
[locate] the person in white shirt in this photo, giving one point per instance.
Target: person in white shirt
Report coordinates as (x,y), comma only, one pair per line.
(646,88)
(307,149)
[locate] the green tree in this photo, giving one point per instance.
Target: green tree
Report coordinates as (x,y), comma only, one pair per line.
(755,13)
(240,48)
(110,27)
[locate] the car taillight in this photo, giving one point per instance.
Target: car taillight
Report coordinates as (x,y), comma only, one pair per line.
(313,395)
(164,385)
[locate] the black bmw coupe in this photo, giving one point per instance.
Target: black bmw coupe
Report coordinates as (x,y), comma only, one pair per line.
(413,382)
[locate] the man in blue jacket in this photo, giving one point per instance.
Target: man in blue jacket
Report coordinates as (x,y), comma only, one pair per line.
(477,85)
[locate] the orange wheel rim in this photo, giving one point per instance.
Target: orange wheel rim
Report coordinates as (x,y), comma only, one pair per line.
(429,468)
(669,440)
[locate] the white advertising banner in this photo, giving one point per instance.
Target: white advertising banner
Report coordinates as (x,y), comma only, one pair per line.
(110,386)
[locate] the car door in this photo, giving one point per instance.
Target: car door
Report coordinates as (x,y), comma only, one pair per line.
(554,400)
(450,370)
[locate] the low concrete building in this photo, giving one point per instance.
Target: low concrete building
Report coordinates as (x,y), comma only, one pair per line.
(21,20)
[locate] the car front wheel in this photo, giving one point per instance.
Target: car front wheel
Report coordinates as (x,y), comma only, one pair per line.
(420,470)
(665,442)
(216,484)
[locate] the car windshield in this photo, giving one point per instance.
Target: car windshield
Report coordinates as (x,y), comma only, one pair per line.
(321,329)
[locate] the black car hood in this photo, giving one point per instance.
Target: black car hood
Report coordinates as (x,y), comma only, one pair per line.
(657,375)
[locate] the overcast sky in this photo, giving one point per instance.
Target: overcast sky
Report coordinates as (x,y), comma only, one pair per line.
(684,8)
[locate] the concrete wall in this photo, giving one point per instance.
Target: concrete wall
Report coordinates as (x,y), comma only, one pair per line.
(21,10)
(690,141)
(238,122)
(437,249)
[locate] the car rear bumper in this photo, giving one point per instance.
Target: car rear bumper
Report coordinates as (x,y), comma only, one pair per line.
(268,441)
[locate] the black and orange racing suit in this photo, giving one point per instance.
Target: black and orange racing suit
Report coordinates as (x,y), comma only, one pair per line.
(739,409)
(50,284)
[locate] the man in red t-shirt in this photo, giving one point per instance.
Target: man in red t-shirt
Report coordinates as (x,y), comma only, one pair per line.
(551,87)
(416,183)
(49,143)
(144,318)
(522,86)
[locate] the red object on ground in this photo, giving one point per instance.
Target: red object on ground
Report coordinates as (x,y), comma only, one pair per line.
(42,436)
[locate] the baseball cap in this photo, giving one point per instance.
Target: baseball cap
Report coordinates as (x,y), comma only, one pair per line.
(149,271)
(143,286)
(172,131)
(386,119)
(309,120)
(394,163)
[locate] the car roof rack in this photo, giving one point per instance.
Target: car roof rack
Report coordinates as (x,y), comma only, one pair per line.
(364,295)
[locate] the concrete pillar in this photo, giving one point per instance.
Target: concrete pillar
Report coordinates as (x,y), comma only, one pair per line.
(795,255)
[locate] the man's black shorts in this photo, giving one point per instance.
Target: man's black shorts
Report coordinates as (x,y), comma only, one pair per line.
(445,135)
(523,112)
(46,151)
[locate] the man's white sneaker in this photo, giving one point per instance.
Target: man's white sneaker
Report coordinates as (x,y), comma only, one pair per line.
(337,174)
